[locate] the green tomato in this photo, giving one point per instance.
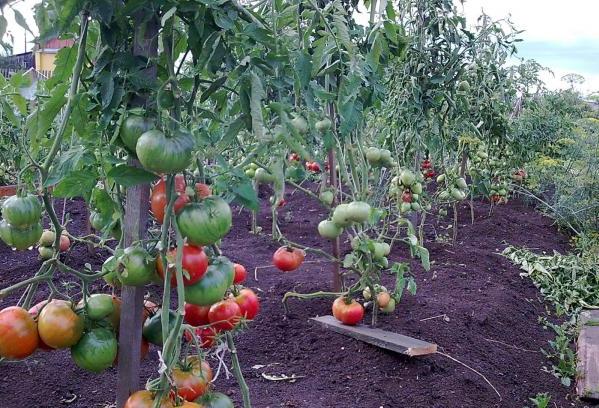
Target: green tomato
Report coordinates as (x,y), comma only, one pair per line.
(327,197)
(341,215)
(358,211)
(132,129)
(366,293)
(323,125)
(457,194)
(137,266)
(213,285)
(250,173)
(263,176)
(152,329)
(253,166)
(300,124)
(464,87)
(162,154)
(45,252)
(407,178)
(373,155)
(415,197)
(22,212)
(405,207)
(47,238)
(215,400)
(386,156)
(20,238)
(415,206)
(443,212)
(461,183)
(99,306)
(96,350)
(355,242)
(416,188)
(328,229)
(444,195)
(440,178)
(390,308)
(206,222)
(381,250)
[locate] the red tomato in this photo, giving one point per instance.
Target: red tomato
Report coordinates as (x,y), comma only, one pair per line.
(18,333)
(248,303)
(203,190)
(65,243)
(158,200)
(294,157)
(192,378)
(195,262)
(281,203)
(426,164)
(287,258)
(206,336)
(350,314)
(224,315)
(196,315)
(406,197)
(240,274)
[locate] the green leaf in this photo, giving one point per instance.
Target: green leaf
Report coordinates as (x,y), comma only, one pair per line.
(246,195)
(20,20)
(214,86)
(106,81)
(412,286)
(257,94)
(10,113)
(303,68)
(63,66)
(76,184)
(424,258)
(66,164)
(40,121)
(3,25)
(130,176)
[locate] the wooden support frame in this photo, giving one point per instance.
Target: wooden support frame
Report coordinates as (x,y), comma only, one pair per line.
(587,356)
(384,339)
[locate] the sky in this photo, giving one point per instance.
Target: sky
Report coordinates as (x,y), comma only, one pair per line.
(561,35)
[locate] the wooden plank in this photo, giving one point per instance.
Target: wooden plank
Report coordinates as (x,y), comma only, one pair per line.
(587,366)
(380,338)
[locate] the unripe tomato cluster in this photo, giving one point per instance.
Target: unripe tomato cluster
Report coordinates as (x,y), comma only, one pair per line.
(379,157)
(498,192)
(46,242)
(344,215)
(21,225)
(451,188)
(408,189)
(384,300)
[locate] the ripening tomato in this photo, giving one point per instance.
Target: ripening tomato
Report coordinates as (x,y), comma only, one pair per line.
(288,259)
(248,303)
(294,157)
(203,190)
(196,315)
(224,315)
(58,325)
(195,264)
(145,399)
(192,378)
(158,197)
(34,311)
(406,197)
(240,273)
(18,333)
(206,336)
(348,312)
(383,299)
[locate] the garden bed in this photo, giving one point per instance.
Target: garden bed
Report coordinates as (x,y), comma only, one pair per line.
(490,325)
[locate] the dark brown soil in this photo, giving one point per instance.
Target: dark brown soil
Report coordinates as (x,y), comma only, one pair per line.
(492,325)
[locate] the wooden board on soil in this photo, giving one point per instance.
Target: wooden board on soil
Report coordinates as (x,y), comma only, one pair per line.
(380,338)
(587,383)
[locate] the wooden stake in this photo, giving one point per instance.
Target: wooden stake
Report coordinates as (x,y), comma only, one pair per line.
(136,217)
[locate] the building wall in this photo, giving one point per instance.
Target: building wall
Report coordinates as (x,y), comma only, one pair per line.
(44,62)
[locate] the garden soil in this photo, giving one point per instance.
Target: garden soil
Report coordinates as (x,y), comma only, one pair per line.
(472,303)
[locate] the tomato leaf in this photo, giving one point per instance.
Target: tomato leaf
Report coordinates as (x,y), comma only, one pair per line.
(20,20)
(76,184)
(246,195)
(67,162)
(130,176)
(40,121)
